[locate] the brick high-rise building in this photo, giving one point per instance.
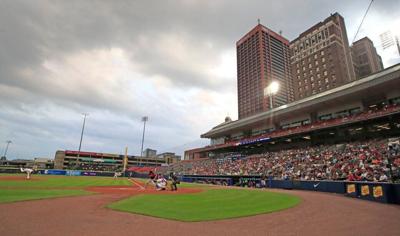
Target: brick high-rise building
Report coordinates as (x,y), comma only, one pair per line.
(262,57)
(365,58)
(321,58)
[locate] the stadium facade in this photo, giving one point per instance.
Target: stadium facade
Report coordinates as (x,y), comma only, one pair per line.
(106,161)
(362,109)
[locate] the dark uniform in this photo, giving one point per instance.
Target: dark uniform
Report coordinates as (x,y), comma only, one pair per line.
(174,180)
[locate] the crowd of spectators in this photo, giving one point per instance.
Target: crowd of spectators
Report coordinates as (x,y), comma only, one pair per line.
(96,167)
(357,161)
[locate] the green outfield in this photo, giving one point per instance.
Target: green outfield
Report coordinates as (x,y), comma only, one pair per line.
(211,204)
(40,187)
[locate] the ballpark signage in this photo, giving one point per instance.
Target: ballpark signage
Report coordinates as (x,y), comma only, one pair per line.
(89,173)
(73,172)
(351,188)
(54,172)
(377,191)
(251,141)
(364,190)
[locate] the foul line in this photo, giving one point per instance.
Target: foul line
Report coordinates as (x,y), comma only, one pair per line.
(137,184)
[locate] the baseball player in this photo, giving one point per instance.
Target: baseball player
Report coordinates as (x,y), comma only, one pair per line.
(117,174)
(161,183)
(28,172)
(152,179)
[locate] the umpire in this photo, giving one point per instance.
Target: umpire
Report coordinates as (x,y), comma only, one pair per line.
(174,180)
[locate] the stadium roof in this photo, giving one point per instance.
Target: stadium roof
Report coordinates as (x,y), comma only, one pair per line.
(368,87)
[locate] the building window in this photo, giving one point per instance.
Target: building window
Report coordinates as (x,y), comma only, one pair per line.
(316,63)
(315,56)
(326,80)
(309,65)
(322,53)
(323,59)
(312,78)
(325,73)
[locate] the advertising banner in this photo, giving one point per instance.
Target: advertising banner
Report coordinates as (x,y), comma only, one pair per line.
(54,172)
(73,172)
(351,188)
(89,173)
(377,191)
(364,190)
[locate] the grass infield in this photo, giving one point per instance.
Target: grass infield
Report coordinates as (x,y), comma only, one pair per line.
(213,204)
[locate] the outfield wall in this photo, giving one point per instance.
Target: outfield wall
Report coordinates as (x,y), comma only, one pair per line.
(60,172)
(372,191)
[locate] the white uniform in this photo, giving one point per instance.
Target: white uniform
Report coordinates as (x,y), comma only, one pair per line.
(28,172)
(161,184)
(117,174)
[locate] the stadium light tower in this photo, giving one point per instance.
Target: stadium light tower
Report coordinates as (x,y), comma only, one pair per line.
(6,149)
(144,119)
(80,142)
(270,91)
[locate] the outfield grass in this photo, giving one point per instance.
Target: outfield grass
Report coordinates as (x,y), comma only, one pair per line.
(213,204)
(43,181)
(14,195)
(44,186)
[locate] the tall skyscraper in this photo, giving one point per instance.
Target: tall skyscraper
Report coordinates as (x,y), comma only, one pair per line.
(262,57)
(321,58)
(365,58)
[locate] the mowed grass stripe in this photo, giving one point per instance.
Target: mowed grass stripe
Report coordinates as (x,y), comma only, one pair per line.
(213,204)
(63,182)
(14,195)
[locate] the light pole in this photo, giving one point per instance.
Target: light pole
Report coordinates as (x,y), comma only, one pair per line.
(80,142)
(5,150)
(270,91)
(144,119)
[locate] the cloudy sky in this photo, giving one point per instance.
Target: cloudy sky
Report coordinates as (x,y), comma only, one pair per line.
(174,61)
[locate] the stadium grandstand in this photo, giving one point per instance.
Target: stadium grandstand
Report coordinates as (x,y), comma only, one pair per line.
(340,134)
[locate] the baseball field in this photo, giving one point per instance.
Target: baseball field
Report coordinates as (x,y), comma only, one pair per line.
(67,205)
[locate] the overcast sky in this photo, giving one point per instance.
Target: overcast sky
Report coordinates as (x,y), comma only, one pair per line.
(174,61)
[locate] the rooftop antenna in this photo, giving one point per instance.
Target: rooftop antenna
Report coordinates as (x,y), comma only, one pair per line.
(258,20)
(280,32)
